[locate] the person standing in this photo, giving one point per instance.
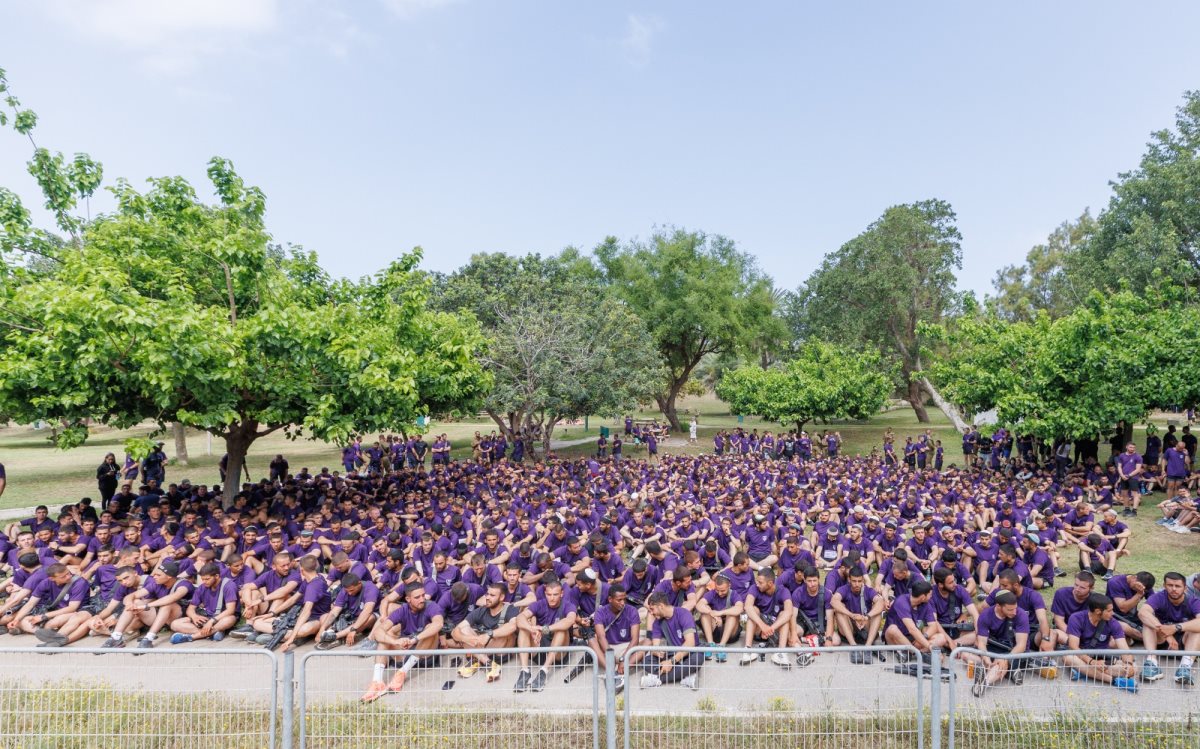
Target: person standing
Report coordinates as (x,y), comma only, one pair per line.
(107,477)
(692,429)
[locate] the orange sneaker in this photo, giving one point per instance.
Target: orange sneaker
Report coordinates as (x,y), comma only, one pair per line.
(493,672)
(375,691)
(397,682)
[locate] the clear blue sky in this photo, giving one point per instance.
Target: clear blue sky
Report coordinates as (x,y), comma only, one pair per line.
(468,125)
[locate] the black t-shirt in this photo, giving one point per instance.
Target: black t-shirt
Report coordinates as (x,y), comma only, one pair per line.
(482,620)
(1189,442)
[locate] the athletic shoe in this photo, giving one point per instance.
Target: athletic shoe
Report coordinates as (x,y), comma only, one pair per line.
(618,684)
(218,636)
(179,638)
(858,657)
(397,682)
(804,659)
(980,684)
(1151,671)
(1164,521)
(374,692)
(1183,676)
(1107,575)
(745,660)
(522,682)
(1075,675)
(1133,512)
(903,656)
(493,672)
(1016,676)
(1125,512)
(243,631)
(651,680)
(112,643)
(367,645)
(50,637)
(722,656)
(693,682)
(880,654)
(469,670)
(1125,683)
(145,643)
(781,660)
(539,682)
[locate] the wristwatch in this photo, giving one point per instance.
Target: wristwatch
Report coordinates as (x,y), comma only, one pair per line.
(1178,628)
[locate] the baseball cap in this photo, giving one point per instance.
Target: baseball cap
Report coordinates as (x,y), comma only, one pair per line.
(170,568)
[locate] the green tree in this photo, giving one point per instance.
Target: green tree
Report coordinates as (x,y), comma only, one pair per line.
(698,295)
(881,286)
(560,346)
(171,309)
(1050,279)
(1111,361)
(821,381)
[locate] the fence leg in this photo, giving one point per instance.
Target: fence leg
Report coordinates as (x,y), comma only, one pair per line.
(935,703)
(289,699)
(610,699)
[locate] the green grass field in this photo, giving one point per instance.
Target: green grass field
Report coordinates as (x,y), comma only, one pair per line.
(40,473)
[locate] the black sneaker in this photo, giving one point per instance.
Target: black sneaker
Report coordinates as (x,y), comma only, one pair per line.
(145,643)
(113,643)
(522,682)
(539,682)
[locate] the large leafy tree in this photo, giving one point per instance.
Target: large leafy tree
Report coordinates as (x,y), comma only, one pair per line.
(1051,277)
(881,286)
(821,381)
(1109,362)
(560,345)
(1147,237)
(698,295)
(173,309)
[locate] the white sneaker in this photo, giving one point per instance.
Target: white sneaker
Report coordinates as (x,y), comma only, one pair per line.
(747,659)
(651,680)
(781,660)
(691,682)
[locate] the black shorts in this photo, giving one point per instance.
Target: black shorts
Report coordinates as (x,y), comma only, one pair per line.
(1134,484)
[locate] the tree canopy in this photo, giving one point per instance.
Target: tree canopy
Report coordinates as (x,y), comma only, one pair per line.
(820,381)
(1112,360)
(560,345)
(881,286)
(172,309)
(697,294)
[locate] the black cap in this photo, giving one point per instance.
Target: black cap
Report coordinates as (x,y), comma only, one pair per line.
(170,568)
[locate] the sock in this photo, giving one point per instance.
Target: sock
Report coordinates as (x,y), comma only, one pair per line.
(409,663)
(1185,661)
(152,634)
(118,635)
(378,674)
(542,670)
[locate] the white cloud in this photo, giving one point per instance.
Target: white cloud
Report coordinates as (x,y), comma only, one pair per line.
(170,36)
(405,9)
(639,36)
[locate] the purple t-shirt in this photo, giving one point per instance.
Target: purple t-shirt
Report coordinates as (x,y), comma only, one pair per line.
(1170,613)
(902,608)
(1064,603)
(673,629)
(769,605)
(271,582)
(992,626)
(1094,636)
(545,616)
(354,605)
(807,603)
(618,628)
(77,589)
(951,608)
(1177,462)
(1128,463)
(207,598)
(857,603)
(412,622)
(316,592)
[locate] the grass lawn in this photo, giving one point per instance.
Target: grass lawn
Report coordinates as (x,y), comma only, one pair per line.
(40,473)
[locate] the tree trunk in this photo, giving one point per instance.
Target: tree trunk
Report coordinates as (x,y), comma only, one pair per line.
(237,444)
(181,454)
(916,399)
(800,427)
(945,406)
(547,434)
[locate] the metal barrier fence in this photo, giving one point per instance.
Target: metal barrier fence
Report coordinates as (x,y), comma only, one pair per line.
(1070,700)
(137,699)
(438,706)
(842,698)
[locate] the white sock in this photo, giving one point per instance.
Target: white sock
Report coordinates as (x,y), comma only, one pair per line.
(378,674)
(1185,661)
(118,635)
(409,663)
(543,670)
(152,634)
